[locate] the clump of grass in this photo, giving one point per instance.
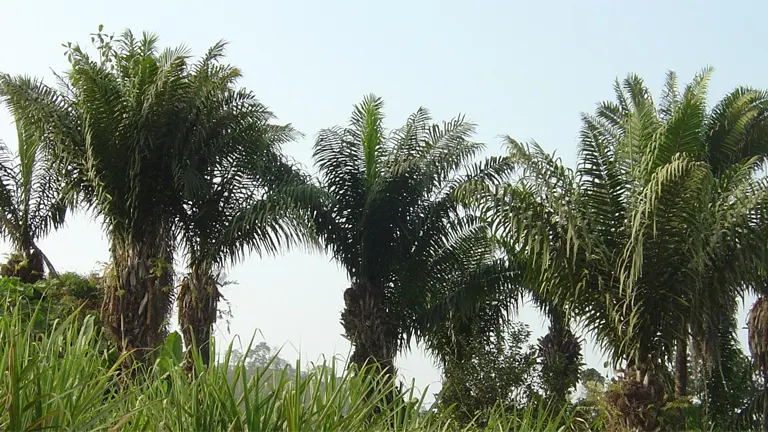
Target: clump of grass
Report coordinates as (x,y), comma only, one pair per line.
(57,379)
(64,379)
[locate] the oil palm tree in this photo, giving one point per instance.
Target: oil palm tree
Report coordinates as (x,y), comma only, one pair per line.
(240,195)
(32,203)
(461,302)
(466,307)
(120,127)
(393,200)
(222,225)
(691,166)
(616,242)
(243,211)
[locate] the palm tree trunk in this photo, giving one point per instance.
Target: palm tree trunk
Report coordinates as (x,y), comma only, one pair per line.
(51,270)
(681,366)
(370,329)
(757,325)
(559,352)
(765,402)
(198,307)
(137,299)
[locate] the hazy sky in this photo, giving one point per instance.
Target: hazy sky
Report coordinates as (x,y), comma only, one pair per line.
(526,69)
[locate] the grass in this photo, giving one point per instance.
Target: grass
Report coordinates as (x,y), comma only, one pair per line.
(64,379)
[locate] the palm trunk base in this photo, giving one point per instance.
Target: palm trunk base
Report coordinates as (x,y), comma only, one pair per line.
(198,308)
(635,403)
(137,301)
(368,326)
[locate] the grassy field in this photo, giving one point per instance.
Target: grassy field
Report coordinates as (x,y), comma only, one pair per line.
(64,378)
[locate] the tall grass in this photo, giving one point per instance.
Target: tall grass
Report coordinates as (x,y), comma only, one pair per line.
(64,379)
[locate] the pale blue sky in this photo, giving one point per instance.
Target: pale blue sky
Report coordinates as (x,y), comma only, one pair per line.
(520,68)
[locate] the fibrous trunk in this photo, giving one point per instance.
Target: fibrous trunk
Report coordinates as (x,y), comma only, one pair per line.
(681,366)
(560,355)
(757,325)
(369,327)
(198,307)
(137,299)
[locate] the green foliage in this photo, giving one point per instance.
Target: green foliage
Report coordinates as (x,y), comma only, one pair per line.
(62,381)
(498,369)
(79,287)
(591,375)
(58,378)
(729,389)
(559,354)
(393,220)
(47,301)
(170,354)
(592,404)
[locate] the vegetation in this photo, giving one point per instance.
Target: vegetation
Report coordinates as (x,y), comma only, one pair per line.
(393,217)
(646,245)
(499,369)
(32,202)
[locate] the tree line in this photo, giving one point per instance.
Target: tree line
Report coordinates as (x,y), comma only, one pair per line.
(648,244)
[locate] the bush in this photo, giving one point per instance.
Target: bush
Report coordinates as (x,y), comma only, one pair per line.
(498,370)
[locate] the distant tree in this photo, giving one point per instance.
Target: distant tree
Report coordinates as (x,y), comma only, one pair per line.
(592,375)
(260,356)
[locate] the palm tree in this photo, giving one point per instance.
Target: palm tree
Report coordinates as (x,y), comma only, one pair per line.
(240,195)
(240,213)
(393,201)
(617,242)
(119,127)
(31,201)
(698,163)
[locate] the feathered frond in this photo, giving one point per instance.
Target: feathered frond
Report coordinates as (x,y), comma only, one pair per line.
(32,194)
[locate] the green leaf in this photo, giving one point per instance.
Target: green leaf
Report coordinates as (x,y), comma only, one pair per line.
(173,347)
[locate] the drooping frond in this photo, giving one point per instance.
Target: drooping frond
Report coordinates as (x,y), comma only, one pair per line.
(33,195)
